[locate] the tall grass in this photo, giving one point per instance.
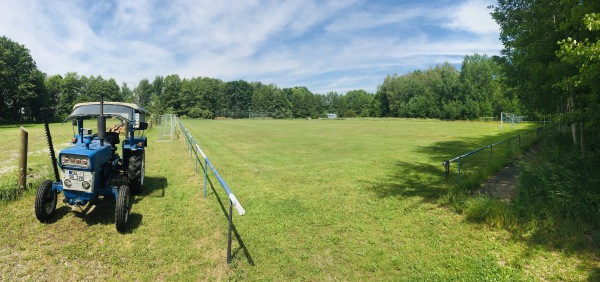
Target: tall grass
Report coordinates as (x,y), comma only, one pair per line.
(480,166)
(8,186)
(558,197)
(557,186)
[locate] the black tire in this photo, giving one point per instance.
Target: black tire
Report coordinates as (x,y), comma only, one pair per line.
(122,208)
(135,172)
(45,201)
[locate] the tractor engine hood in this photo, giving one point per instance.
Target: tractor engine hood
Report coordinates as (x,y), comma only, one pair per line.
(97,155)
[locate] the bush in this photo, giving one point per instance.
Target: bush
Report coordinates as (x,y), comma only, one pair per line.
(350,113)
(201,113)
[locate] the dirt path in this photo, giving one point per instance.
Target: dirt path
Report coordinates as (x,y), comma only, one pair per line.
(503,185)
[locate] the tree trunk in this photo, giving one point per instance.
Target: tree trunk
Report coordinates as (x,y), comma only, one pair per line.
(581,138)
(570,107)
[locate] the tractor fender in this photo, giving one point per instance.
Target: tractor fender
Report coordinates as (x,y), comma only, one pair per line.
(57,186)
(134,144)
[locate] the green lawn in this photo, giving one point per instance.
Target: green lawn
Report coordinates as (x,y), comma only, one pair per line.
(324,200)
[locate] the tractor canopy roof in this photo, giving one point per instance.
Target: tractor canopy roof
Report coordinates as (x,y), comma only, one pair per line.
(122,111)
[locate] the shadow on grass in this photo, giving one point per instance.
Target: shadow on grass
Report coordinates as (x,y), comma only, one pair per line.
(238,237)
(59,213)
(595,275)
(102,211)
(152,184)
(412,180)
(426,180)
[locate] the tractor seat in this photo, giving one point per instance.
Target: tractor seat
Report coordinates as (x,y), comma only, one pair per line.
(112,138)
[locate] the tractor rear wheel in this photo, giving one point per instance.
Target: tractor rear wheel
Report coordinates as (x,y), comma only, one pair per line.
(45,201)
(122,208)
(135,171)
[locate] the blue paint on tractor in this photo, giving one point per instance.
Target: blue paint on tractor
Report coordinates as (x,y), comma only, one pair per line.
(91,167)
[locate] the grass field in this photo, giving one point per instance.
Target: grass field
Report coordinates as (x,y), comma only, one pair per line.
(325,200)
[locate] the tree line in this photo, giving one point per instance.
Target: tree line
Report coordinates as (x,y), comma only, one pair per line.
(444,92)
(551,59)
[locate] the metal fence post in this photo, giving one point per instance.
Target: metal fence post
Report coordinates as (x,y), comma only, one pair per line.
(458,171)
(232,199)
(447,168)
(205,175)
(229,232)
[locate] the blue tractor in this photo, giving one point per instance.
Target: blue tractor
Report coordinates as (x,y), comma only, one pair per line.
(91,166)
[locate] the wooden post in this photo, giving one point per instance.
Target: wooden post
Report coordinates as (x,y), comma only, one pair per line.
(23,160)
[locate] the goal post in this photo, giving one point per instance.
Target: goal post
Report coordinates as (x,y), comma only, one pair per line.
(511,119)
(166,127)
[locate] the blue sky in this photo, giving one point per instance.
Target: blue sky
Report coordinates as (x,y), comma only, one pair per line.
(336,45)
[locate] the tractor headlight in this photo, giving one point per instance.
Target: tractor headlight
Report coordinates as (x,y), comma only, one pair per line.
(68,183)
(85,185)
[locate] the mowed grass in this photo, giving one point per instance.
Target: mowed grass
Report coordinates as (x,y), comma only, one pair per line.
(173,233)
(325,200)
(365,200)
(39,166)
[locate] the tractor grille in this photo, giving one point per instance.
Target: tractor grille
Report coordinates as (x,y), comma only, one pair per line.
(78,180)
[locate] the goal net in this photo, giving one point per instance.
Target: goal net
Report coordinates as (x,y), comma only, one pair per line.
(166,127)
(510,119)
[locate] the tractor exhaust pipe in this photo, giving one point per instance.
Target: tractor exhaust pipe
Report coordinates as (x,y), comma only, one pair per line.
(101,122)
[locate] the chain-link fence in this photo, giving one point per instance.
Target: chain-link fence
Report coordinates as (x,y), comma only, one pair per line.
(166,127)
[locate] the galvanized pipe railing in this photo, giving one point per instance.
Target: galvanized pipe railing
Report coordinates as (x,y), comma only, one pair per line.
(194,148)
(510,147)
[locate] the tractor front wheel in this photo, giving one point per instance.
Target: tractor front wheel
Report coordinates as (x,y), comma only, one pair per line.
(122,208)
(45,201)
(135,172)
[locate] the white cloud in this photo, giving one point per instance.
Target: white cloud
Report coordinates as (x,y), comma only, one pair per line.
(324,45)
(366,20)
(473,16)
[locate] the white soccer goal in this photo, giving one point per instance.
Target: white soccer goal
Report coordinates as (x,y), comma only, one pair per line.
(166,127)
(510,119)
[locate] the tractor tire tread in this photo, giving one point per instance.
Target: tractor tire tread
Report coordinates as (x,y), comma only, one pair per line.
(122,208)
(40,201)
(134,172)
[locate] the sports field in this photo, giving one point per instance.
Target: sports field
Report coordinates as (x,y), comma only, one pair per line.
(324,199)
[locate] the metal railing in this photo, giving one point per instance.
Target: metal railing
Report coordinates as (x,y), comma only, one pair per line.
(194,149)
(482,160)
